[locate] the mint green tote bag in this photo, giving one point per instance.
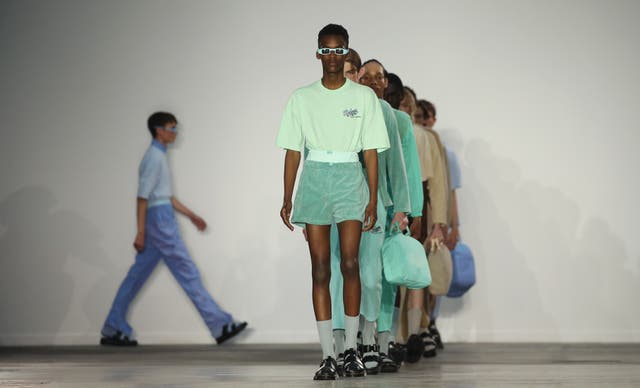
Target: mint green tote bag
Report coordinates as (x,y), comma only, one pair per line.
(404,261)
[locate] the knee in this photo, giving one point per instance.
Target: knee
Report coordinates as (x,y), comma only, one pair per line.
(321,274)
(371,281)
(349,266)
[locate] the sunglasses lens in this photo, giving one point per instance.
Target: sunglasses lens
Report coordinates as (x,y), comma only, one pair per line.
(325,51)
(340,51)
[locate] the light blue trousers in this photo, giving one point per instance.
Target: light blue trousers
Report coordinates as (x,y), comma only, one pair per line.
(163,241)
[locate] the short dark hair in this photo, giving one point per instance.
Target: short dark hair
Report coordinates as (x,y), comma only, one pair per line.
(160,119)
(427,107)
(408,89)
(373,60)
(354,58)
(334,29)
(395,90)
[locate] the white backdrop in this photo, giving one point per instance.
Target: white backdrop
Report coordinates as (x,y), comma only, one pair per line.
(538,98)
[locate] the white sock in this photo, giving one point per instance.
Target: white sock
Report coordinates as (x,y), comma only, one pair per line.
(369,333)
(338,339)
(326,338)
(414,316)
(383,341)
(350,332)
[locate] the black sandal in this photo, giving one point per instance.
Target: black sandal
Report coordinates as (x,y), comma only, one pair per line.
(117,340)
(368,358)
(231,330)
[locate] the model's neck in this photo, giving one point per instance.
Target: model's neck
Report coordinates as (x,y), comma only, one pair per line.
(333,80)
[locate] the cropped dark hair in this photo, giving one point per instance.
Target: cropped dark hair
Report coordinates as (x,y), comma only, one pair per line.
(410,90)
(373,60)
(427,107)
(334,29)
(395,90)
(160,119)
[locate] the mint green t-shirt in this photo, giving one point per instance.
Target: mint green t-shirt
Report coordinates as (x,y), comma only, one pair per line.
(348,119)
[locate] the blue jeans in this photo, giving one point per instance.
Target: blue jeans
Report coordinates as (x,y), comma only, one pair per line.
(163,241)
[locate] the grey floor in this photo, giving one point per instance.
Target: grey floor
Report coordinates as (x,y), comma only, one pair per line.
(459,365)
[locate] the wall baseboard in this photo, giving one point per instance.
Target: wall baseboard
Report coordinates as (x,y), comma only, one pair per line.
(311,336)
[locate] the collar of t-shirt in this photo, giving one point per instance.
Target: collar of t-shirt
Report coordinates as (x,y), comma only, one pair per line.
(158,145)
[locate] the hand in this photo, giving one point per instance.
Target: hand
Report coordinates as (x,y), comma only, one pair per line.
(370,216)
(436,238)
(401,219)
(285,214)
(198,222)
(416,228)
(452,238)
(138,243)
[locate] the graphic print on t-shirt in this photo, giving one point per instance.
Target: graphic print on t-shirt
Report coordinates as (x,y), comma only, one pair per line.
(351,113)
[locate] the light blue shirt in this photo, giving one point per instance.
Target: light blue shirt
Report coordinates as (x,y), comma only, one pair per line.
(455,175)
(154,177)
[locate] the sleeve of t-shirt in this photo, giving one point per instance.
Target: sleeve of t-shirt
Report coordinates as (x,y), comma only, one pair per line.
(424,153)
(148,176)
(455,175)
(437,185)
(374,131)
(290,134)
(396,169)
(412,161)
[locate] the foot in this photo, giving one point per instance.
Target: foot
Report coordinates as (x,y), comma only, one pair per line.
(429,345)
(371,359)
(415,348)
(117,340)
(398,353)
(231,330)
(340,365)
(327,370)
(433,329)
(353,366)
(387,365)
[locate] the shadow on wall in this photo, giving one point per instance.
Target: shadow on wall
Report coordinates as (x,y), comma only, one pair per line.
(568,285)
(47,255)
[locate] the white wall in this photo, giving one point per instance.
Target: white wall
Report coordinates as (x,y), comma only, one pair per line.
(539,99)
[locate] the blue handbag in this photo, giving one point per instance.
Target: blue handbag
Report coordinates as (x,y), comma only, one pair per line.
(464,270)
(404,261)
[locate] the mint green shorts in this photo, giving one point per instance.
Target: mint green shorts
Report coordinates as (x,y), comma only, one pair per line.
(330,193)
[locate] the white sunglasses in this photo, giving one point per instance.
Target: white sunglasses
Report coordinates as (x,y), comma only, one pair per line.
(337,51)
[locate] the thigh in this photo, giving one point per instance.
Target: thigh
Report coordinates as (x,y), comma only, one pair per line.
(319,243)
(146,260)
(179,261)
(350,234)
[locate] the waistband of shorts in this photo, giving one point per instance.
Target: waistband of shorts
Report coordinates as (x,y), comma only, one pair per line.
(332,156)
(159,202)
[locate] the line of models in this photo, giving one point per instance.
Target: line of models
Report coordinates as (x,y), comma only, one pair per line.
(365,169)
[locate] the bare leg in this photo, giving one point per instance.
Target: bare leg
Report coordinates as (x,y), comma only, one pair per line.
(319,248)
(350,233)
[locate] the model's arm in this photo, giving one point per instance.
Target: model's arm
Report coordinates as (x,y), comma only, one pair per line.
(193,217)
(414,176)
(454,234)
(438,195)
(371,212)
(141,212)
(397,173)
(291,164)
